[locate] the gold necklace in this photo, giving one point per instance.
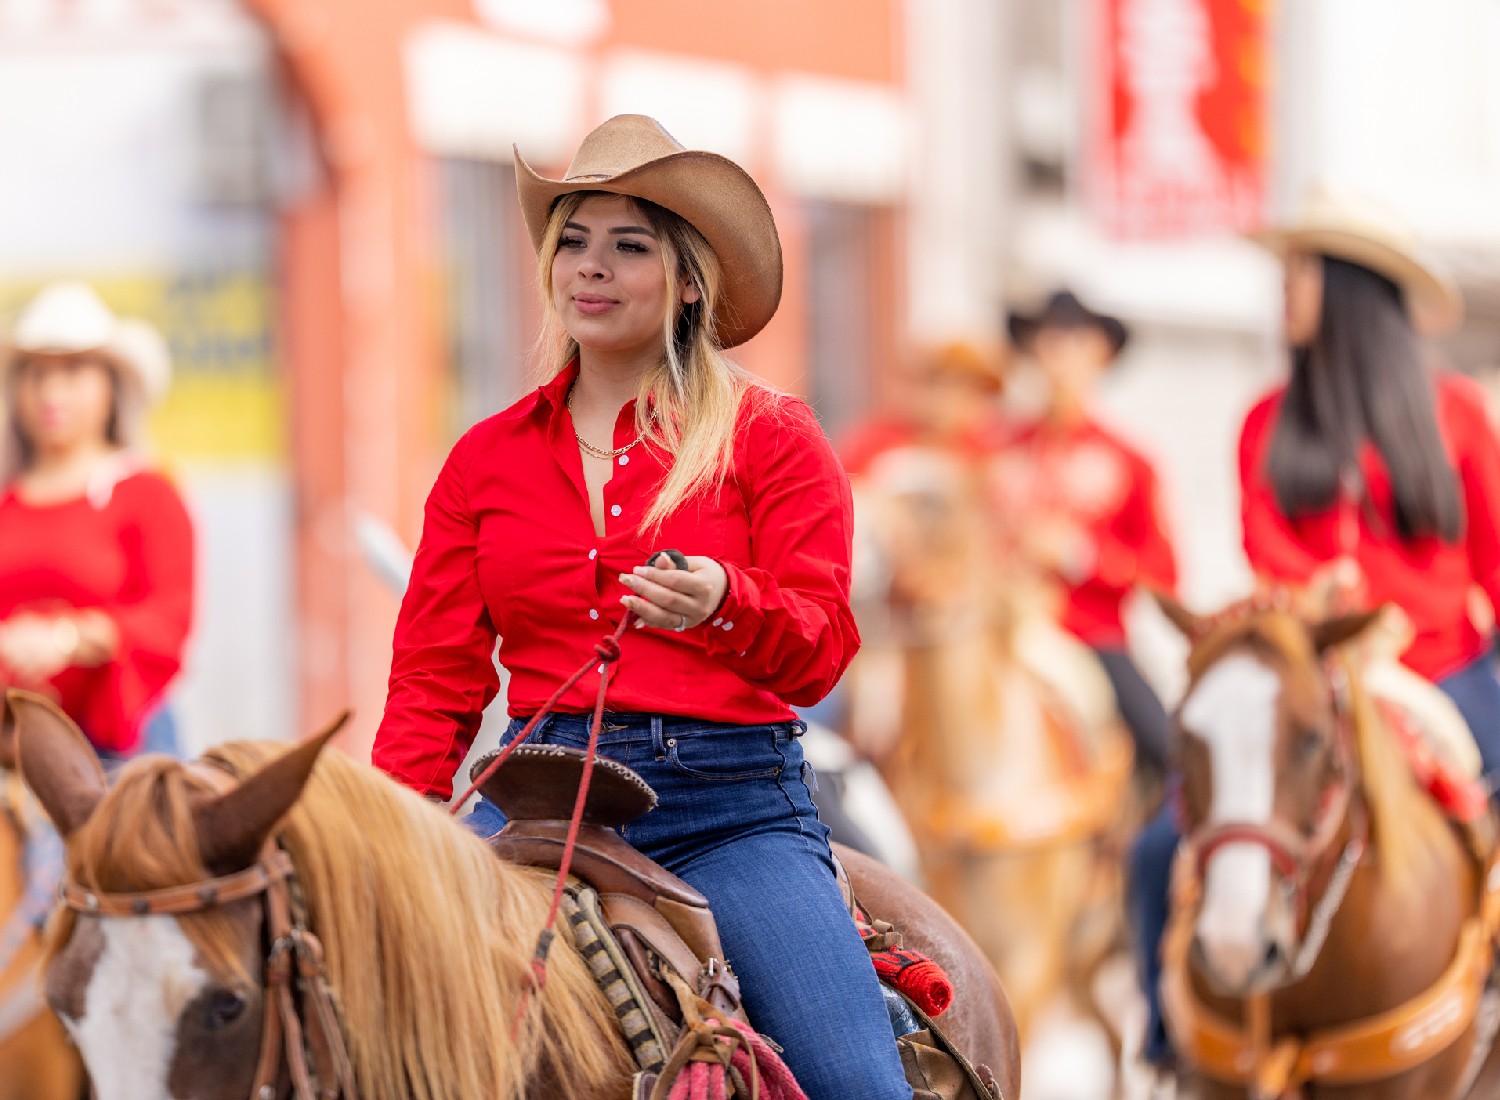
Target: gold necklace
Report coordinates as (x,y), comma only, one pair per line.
(597,452)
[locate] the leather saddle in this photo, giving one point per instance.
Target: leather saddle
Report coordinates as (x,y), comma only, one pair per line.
(657,918)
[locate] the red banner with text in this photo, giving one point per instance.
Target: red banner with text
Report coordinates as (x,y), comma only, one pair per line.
(1180,116)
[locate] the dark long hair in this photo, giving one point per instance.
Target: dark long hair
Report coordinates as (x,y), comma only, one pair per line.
(1363,379)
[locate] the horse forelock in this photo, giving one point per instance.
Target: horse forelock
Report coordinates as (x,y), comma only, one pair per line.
(142,837)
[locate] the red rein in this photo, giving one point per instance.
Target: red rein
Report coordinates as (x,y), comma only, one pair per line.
(606,654)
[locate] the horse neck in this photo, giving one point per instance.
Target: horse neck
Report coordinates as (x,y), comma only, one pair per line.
(982,712)
(1431,884)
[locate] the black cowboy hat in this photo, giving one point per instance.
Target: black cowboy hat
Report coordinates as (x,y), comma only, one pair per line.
(1064,310)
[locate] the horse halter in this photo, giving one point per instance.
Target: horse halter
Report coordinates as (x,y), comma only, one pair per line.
(315,1055)
(1301,858)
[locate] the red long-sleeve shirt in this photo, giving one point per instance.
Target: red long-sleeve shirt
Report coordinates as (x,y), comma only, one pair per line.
(129,554)
(1427,578)
(508,549)
(1088,477)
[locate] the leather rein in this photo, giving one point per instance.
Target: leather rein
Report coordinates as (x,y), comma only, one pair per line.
(311,1043)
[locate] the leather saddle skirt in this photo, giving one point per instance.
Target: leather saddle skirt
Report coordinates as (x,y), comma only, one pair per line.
(656,917)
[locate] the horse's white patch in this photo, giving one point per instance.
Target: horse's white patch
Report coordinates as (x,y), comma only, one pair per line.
(145,976)
(1233,711)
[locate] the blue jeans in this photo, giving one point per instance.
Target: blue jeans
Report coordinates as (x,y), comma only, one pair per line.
(1474,689)
(737,822)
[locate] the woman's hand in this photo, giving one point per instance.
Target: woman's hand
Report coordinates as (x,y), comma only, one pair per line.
(35,648)
(670,598)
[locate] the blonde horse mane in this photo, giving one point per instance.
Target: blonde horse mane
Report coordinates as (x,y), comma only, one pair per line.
(428,936)
(1403,820)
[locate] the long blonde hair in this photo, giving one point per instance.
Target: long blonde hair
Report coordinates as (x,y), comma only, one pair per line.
(688,405)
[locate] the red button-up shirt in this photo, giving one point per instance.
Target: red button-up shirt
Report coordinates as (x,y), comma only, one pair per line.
(508,549)
(1088,477)
(1427,578)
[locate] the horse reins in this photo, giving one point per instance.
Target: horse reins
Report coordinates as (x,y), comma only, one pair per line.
(314,1050)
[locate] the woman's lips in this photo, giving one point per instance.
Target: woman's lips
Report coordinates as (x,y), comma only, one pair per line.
(593,304)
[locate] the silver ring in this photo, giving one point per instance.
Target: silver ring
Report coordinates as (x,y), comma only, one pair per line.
(680,627)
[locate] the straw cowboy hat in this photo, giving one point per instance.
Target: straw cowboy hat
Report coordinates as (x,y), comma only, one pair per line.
(1346,226)
(1064,310)
(632,155)
(69,318)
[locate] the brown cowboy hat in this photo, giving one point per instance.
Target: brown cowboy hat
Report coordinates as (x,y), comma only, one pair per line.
(1347,226)
(980,360)
(1064,310)
(633,155)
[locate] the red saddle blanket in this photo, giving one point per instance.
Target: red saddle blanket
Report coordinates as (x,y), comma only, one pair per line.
(1462,797)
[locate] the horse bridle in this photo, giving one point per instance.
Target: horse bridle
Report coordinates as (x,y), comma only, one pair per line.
(1304,862)
(314,1052)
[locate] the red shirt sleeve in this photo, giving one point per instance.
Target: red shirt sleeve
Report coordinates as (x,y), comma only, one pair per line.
(1271,544)
(1140,552)
(153,613)
(442,671)
(1477,454)
(785,624)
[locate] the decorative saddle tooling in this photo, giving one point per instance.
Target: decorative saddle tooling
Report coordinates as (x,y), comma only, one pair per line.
(652,945)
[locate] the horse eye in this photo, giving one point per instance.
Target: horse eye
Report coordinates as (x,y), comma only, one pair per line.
(223,1008)
(1309,744)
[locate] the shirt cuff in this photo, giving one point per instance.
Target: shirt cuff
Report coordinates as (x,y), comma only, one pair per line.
(729,630)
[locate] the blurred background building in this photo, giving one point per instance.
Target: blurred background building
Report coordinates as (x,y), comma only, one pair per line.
(315,199)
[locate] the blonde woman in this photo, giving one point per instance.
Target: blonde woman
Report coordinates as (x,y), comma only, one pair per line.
(644,435)
(96,548)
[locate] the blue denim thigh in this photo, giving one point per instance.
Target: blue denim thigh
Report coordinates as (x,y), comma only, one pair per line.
(1475,690)
(736,821)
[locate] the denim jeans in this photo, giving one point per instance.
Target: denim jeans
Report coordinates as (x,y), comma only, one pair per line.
(1474,689)
(737,822)
(1145,717)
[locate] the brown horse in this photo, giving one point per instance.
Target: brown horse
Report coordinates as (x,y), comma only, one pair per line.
(427,937)
(1009,776)
(1332,933)
(36,1060)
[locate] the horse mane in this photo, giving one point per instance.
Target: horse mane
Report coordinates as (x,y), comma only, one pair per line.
(428,936)
(1404,822)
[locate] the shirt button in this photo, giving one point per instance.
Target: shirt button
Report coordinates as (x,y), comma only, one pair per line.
(593,612)
(719,620)
(614,509)
(624,460)
(728,626)
(593,554)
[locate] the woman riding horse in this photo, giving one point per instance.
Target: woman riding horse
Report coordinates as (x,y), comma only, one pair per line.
(1369,469)
(653,260)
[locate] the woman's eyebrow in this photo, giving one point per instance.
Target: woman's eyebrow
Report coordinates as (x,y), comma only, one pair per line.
(640,229)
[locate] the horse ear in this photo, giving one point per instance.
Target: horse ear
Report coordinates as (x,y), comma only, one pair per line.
(1342,628)
(56,760)
(1192,626)
(233,827)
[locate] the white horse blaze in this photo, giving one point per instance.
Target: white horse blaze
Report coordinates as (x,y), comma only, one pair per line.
(143,979)
(1233,711)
